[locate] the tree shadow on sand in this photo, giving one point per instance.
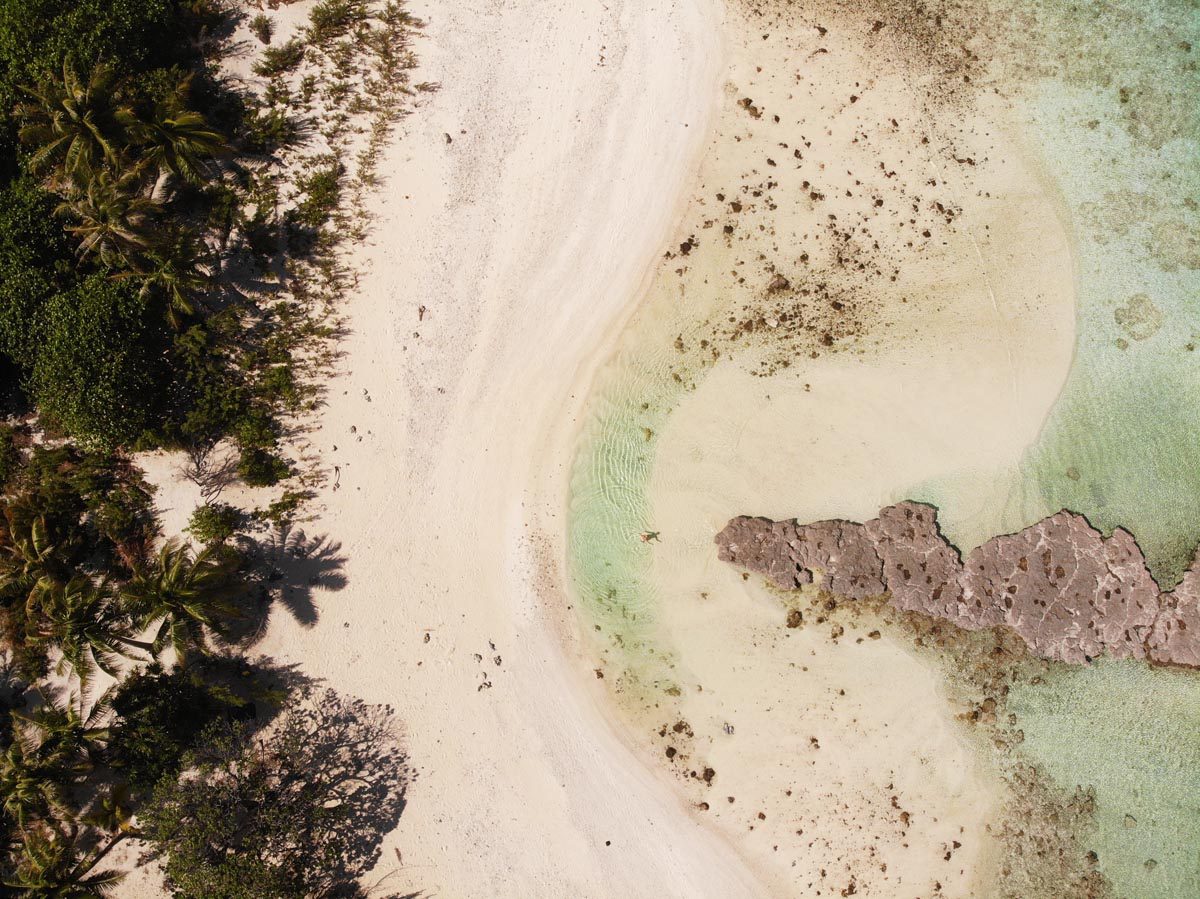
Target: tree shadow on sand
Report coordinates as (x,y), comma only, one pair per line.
(310,796)
(287,567)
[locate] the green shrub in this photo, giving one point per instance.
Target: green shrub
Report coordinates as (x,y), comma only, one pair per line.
(270,129)
(260,467)
(36,36)
(99,362)
(205,399)
(36,262)
(321,189)
(308,89)
(10,456)
(283,510)
(214,522)
(262,28)
(277,61)
(159,717)
(330,19)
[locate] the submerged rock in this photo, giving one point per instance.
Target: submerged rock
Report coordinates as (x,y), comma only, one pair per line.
(1071,593)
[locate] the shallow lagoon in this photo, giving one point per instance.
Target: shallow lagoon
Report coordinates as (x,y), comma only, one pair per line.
(1116,127)
(1132,734)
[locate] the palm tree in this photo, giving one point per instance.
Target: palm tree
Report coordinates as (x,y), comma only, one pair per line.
(30,557)
(178,141)
(73,123)
(61,734)
(30,786)
(80,619)
(172,269)
(113,813)
(49,868)
(186,595)
(112,215)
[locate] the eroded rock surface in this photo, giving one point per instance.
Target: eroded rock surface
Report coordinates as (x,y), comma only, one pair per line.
(1071,593)
(1176,634)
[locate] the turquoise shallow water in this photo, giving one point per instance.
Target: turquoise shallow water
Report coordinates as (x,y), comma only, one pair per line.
(1116,122)
(1123,147)
(1110,93)
(1132,734)
(608,562)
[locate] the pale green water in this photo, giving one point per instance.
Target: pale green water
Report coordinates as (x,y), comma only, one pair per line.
(609,563)
(1132,733)
(1121,445)
(609,511)
(1116,121)
(1113,110)
(1118,128)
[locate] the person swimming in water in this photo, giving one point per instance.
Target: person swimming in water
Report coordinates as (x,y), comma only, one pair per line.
(647,536)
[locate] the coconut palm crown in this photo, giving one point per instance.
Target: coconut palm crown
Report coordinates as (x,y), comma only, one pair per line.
(71,123)
(188,595)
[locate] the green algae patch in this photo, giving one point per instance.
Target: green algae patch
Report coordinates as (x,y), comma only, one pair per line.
(1130,734)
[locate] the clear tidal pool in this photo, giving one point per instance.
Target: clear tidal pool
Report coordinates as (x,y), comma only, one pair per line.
(1113,113)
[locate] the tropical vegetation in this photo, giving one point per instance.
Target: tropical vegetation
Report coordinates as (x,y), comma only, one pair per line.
(170,278)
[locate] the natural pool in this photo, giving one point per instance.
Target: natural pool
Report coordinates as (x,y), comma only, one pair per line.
(1109,98)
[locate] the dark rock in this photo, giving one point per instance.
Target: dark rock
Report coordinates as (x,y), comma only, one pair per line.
(1071,593)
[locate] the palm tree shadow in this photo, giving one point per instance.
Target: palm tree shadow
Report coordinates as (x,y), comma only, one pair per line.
(288,568)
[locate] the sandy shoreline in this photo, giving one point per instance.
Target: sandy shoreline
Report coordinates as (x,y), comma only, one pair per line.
(828,184)
(525,239)
(523,216)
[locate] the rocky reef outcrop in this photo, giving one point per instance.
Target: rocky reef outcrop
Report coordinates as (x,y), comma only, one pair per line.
(1071,593)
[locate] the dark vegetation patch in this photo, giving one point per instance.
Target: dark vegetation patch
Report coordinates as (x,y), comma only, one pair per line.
(170,278)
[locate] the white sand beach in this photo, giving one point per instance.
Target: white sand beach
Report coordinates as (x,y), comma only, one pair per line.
(526,206)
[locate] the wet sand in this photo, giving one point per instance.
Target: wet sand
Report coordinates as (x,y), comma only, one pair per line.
(850,310)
